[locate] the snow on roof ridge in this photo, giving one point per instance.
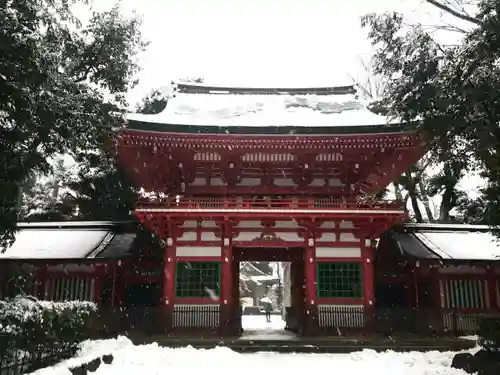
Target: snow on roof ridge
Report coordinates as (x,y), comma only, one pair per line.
(72,224)
(204,84)
(195,87)
(458,226)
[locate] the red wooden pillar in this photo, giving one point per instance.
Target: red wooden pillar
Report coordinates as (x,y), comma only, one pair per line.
(437,316)
(98,277)
(311,309)
(411,276)
(42,282)
(120,280)
(368,273)
(227,302)
(368,283)
(492,292)
(113,271)
(169,264)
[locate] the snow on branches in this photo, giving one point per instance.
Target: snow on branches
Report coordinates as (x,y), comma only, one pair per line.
(27,324)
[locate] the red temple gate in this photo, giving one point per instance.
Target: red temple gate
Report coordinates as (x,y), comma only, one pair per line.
(215,188)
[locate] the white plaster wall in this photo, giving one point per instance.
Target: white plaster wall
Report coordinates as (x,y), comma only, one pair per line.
(338,252)
(199,181)
(346,224)
(208,224)
(284,182)
(209,236)
(289,236)
(246,236)
(198,251)
(249,224)
(187,236)
(249,182)
(216,181)
(335,182)
(348,237)
(327,237)
(286,224)
(317,182)
(189,224)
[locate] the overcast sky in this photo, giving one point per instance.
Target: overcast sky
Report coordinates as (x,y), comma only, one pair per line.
(261,42)
(257,42)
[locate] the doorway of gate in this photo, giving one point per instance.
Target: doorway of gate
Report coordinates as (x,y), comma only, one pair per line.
(288,311)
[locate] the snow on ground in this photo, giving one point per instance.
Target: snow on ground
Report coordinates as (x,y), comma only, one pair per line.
(255,327)
(471,338)
(258,323)
(152,359)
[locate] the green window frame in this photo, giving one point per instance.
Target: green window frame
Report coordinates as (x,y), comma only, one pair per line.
(197,279)
(339,280)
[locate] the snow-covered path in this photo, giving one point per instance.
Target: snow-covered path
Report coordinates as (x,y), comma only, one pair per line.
(258,323)
(255,327)
(152,359)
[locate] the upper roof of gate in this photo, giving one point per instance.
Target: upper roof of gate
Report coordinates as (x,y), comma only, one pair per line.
(198,108)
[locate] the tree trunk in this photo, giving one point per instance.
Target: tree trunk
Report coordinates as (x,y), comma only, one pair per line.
(405,203)
(19,203)
(416,208)
(446,206)
(397,191)
(425,201)
(412,192)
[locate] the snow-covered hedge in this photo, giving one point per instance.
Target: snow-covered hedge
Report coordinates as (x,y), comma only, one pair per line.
(489,334)
(27,324)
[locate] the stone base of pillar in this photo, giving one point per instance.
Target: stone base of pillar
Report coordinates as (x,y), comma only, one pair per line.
(310,327)
(225,326)
(167,311)
(370,322)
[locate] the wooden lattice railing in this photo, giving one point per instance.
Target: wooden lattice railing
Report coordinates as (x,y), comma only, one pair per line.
(190,203)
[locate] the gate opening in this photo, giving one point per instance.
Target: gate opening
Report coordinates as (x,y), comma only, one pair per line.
(282,294)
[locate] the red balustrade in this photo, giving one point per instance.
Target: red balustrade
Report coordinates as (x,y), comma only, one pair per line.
(190,203)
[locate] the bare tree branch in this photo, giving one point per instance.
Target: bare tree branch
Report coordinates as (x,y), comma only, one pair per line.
(447,27)
(454,12)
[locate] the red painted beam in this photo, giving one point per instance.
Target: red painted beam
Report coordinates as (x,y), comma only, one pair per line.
(212,142)
(340,301)
(263,190)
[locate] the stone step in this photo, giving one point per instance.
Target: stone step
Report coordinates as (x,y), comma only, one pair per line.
(311,345)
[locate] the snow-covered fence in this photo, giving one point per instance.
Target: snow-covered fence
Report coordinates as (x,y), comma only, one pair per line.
(35,333)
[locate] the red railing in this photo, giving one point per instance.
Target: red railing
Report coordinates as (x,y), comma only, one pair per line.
(269,203)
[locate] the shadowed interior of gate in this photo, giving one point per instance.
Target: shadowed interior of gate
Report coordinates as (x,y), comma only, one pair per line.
(289,323)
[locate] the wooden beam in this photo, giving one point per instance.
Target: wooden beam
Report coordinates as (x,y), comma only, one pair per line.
(190,88)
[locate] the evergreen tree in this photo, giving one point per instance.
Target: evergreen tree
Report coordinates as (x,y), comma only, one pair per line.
(450,92)
(62,88)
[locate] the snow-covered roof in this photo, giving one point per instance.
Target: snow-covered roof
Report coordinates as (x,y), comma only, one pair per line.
(453,227)
(461,245)
(72,240)
(323,107)
(449,242)
(54,244)
(68,224)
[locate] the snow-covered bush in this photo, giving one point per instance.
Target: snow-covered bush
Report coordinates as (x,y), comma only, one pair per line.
(27,324)
(489,334)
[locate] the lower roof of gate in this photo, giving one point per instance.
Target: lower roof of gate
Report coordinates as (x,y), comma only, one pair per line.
(446,242)
(78,240)
(101,240)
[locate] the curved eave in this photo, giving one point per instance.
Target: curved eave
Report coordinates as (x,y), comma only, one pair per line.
(269,129)
(190,88)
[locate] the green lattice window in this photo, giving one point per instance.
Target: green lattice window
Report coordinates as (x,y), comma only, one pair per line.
(197,279)
(339,280)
